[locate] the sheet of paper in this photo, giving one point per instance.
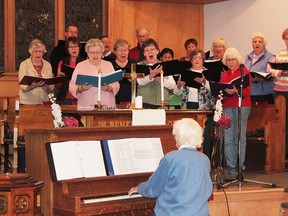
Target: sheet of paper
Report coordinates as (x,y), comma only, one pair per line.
(134,155)
(148,117)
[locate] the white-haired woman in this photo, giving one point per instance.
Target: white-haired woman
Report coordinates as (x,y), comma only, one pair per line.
(218,48)
(257,60)
(233,59)
(87,95)
(181,176)
(35,66)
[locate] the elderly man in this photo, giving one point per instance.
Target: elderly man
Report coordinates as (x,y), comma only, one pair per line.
(137,53)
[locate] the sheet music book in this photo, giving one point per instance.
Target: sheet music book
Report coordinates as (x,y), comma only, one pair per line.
(68,70)
(27,80)
(75,159)
(261,76)
(169,67)
(214,69)
(105,79)
(216,87)
(279,65)
(132,155)
(188,77)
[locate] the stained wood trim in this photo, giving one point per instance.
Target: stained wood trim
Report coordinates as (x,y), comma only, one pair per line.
(9,35)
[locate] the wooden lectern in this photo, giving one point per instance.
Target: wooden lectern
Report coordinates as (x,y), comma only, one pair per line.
(20,195)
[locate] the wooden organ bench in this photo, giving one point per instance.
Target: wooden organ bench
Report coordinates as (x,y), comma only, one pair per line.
(268,151)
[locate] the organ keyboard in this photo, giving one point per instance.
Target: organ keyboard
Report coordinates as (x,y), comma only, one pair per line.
(109,198)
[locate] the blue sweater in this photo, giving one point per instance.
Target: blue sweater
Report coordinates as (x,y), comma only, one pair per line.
(181,184)
(260,88)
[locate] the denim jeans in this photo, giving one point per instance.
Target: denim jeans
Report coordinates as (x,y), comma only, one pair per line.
(231,137)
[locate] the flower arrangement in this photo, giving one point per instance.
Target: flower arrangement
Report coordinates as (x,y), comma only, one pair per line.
(56,111)
(69,121)
(222,120)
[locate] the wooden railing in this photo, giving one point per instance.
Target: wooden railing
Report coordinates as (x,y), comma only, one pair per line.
(273,119)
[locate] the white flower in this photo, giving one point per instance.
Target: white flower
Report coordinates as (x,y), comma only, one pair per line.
(218,109)
(56,112)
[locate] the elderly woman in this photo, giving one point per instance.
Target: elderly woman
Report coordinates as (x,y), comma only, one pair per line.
(218,48)
(257,60)
(194,98)
(181,176)
(121,50)
(233,59)
(87,95)
(36,66)
(149,87)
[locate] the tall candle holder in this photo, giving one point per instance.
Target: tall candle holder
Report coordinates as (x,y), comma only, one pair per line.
(162,89)
(133,75)
(99,89)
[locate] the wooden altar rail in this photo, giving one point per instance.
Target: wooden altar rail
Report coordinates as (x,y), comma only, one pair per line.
(273,119)
(40,116)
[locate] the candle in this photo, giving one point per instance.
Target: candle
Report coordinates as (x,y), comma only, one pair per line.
(162,88)
(99,87)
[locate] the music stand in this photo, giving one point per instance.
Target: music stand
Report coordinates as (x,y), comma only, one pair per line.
(239,177)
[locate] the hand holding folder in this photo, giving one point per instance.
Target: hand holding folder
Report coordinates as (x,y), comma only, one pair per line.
(216,87)
(105,79)
(279,65)
(169,67)
(27,80)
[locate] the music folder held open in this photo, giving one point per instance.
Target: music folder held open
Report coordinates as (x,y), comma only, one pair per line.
(216,87)
(105,79)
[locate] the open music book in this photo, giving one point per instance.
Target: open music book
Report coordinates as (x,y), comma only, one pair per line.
(75,159)
(105,79)
(279,65)
(261,76)
(216,87)
(27,80)
(169,67)
(132,155)
(94,158)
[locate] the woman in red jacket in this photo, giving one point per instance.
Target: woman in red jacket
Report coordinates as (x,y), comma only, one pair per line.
(233,60)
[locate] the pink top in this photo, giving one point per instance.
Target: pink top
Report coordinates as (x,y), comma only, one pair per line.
(88,99)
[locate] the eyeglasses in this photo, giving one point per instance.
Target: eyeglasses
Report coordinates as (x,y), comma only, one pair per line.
(197,57)
(232,59)
(75,46)
(95,52)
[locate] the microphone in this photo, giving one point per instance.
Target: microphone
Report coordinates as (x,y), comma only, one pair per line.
(242,69)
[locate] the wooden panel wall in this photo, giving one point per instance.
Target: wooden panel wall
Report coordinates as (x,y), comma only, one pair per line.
(170,23)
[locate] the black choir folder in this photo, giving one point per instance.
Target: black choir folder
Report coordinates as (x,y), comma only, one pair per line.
(188,76)
(216,87)
(169,67)
(27,80)
(83,159)
(279,65)
(68,70)
(261,76)
(105,79)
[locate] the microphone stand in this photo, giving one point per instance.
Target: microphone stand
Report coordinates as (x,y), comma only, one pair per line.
(240,177)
